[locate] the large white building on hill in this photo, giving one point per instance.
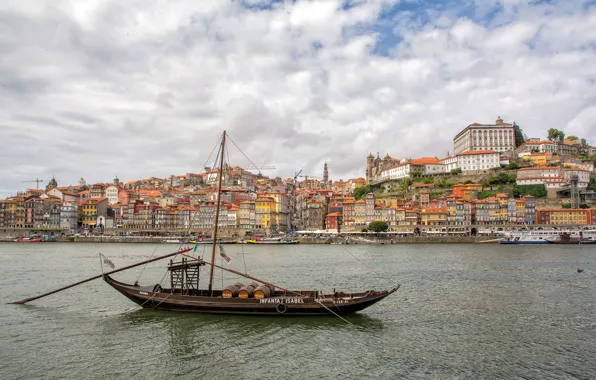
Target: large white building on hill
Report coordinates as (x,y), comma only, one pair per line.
(499,137)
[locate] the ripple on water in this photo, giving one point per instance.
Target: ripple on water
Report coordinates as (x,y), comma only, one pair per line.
(463,311)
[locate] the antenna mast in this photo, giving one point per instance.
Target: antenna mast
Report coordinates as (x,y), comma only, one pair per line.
(221,162)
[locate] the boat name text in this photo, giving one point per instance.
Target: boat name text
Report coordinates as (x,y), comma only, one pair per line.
(281,300)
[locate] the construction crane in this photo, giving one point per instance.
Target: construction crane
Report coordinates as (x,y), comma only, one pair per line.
(37,181)
(297,174)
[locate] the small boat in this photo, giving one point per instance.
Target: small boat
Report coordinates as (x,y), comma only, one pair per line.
(172,241)
(277,240)
(29,239)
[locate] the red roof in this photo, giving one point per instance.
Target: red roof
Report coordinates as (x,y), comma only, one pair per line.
(426,161)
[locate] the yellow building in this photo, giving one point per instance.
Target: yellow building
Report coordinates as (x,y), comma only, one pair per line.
(433,216)
(91,209)
(280,210)
(264,207)
(562,216)
(540,159)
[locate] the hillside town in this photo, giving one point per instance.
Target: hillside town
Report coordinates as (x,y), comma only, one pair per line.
(495,177)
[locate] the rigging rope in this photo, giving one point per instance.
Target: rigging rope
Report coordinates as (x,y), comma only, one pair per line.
(362,262)
(237,147)
(145,266)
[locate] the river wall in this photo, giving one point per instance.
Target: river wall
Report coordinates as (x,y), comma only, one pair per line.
(303,240)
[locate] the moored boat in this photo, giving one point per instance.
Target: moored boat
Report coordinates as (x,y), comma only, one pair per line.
(583,237)
(29,239)
(277,240)
(185,294)
(530,237)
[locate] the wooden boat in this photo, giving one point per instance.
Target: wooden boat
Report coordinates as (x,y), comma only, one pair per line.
(185,294)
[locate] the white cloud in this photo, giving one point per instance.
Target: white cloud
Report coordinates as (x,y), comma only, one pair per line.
(94,89)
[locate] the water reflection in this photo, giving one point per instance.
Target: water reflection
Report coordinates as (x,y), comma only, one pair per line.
(256,323)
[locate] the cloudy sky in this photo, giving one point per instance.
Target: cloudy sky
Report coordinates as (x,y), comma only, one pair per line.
(144,88)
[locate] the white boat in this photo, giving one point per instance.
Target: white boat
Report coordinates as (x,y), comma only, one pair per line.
(172,241)
(534,236)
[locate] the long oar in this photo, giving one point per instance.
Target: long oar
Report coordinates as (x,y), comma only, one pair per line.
(99,276)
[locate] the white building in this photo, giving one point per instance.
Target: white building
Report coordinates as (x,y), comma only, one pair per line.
(425,165)
(499,137)
(473,160)
(550,176)
(449,163)
(112,194)
(397,172)
(62,195)
(542,146)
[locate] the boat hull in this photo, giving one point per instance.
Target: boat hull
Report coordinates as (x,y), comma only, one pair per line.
(288,305)
(572,241)
(38,240)
(524,242)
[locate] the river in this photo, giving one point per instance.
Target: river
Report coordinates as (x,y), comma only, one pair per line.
(469,311)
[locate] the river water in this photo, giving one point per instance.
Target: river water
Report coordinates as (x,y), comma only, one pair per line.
(470,311)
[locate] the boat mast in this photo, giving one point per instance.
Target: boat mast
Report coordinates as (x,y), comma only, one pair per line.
(220,175)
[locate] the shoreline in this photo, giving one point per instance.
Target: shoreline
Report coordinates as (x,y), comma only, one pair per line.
(304,240)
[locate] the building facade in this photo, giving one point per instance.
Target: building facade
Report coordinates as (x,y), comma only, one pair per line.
(499,137)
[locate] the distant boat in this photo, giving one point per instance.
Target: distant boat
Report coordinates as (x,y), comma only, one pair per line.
(29,239)
(277,240)
(541,237)
(172,241)
(210,241)
(584,237)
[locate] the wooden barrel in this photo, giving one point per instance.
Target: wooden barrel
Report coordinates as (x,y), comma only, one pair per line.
(263,291)
(232,290)
(248,290)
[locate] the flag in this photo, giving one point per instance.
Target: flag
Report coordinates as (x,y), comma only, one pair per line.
(107,261)
(222,253)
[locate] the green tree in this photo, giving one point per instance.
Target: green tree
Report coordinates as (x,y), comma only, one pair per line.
(572,138)
(468,181)
(555,134)
(513,166)
(519,135)
(360,192)
(537,191)
(378,226)
(592,184)
(456,171)
(416,173)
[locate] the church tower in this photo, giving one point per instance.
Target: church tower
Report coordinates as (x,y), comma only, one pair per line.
(325,173)
(52,184)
